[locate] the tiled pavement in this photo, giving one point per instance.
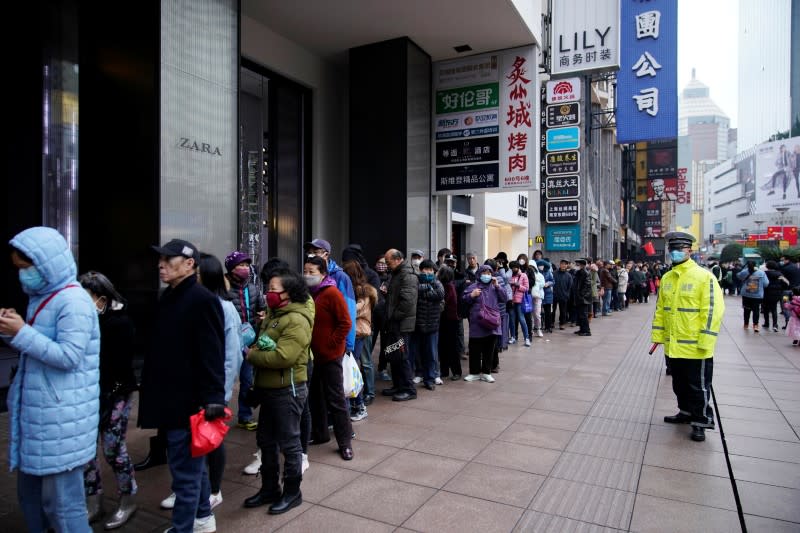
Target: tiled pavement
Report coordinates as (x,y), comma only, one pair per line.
(569,438)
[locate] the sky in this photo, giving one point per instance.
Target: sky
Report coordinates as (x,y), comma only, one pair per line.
(708,41)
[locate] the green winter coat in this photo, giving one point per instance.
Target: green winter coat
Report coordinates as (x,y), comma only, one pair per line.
(290,327)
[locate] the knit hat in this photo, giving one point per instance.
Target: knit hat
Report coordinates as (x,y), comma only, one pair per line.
(235,258)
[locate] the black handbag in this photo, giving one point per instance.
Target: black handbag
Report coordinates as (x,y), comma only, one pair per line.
(395,347)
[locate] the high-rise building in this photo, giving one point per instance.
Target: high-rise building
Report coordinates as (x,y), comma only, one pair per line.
(703,121)
(765,58)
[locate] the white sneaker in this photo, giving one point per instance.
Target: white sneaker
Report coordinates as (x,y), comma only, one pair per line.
(539,333)
(512,340)
(438,381)
(168,502)
(487,378)
(215,499)
(205,525)
(253,468)
(527,342)
(417,379)
(472,377)
(305,464)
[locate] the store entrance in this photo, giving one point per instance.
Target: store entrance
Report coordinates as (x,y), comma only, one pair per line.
(274,171)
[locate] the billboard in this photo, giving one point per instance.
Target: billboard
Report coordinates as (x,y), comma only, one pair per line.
(777,176)
(584,36)
(485,112)
(647,82)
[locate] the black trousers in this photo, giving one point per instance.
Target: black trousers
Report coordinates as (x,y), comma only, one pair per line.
(691,383)
(560,307)
(547,316)
(751,305)
(279,432)
(481,354)
(583,318)
(449,356)
(770,307)
(326,396)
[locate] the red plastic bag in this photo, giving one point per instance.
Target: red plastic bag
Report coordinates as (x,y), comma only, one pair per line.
(207,436)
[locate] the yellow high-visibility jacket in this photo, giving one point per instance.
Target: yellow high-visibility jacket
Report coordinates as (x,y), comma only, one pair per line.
(688,312)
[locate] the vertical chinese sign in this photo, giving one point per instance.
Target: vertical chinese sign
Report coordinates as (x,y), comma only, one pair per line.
(647,85)
(485,126)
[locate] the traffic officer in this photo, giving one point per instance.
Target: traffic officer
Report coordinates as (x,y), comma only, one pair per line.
(687,320)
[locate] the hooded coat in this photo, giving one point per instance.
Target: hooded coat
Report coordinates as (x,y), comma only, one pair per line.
(53,401)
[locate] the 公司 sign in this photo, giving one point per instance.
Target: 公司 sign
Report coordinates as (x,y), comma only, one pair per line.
(584,36)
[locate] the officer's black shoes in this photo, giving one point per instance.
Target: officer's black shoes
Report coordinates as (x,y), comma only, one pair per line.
(698,434)
(680,418)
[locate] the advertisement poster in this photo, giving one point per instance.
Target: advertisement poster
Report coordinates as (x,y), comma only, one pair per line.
(485,122)
(563,238)
(777,179)
(652,219)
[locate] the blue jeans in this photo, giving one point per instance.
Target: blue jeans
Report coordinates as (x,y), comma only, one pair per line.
(55,501)
(426,345)
(363,354)
(607,301)
(245,413)
(189,481)
(517,315)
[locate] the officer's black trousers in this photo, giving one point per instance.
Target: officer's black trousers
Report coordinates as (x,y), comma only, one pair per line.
(691,382)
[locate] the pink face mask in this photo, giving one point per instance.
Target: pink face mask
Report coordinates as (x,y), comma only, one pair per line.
(242,272)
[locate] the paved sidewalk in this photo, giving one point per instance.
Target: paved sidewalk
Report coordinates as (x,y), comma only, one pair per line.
(570,438)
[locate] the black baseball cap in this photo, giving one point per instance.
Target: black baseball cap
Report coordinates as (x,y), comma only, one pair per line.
(177,247)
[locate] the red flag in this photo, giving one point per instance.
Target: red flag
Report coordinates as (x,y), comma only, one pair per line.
(649,249)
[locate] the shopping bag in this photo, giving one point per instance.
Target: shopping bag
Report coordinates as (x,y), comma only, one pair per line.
(395,346)
(527,303)
(207,436)
(351,374)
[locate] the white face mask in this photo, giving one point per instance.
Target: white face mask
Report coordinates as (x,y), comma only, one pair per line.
(521,262)
(416,262)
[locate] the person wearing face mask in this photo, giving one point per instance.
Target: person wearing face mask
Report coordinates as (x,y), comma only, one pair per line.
(484,293)
(754,281)
(582,296)
(416,259)
(688,317)
(249,302)
(280,357)
(52,400)
(379,316)
(326,389)
(117,383)
(425,339)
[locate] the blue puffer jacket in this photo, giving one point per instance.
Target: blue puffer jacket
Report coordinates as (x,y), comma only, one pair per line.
(53,401)
(345,286)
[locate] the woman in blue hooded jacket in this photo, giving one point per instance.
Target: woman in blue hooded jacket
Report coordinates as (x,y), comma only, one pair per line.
(753,283)
(53,399)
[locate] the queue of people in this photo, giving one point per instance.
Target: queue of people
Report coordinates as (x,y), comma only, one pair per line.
(284,336)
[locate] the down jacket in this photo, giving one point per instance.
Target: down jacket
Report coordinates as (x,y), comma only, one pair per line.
(429,306)
(53,401)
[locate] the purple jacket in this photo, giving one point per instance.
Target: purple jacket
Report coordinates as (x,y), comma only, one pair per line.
(491,296)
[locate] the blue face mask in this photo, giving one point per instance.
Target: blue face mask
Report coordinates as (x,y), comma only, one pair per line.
(31,280)
(486,278)
(678,256)
(426,278)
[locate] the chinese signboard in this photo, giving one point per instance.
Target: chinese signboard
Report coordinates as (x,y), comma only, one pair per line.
(563,238)
(467,177)
(568,90)
(562,187)
(485,122)
(563,115)
(647,93)
(568,162)
(474,124)
(563,211)
(652,219)
(568,138)
(584,36)
(465,151)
